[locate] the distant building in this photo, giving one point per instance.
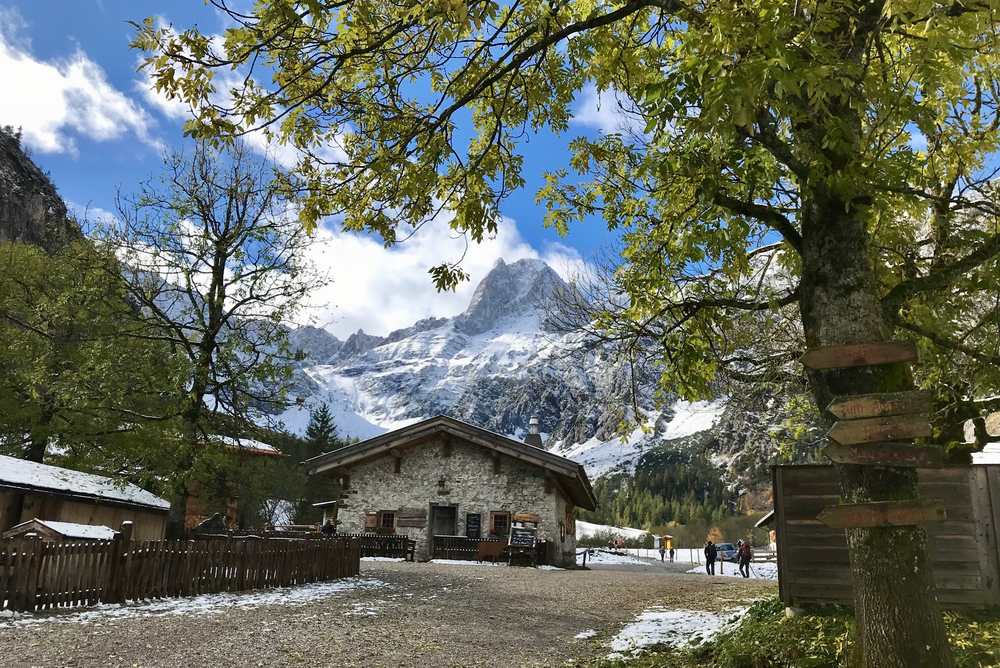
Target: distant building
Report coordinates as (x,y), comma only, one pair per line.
(201,505)
(444,477)
(31,491)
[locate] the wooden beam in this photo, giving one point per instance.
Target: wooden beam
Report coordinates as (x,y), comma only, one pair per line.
(880,405)
(886,454)
(882,514)
(859,354)
(873,430)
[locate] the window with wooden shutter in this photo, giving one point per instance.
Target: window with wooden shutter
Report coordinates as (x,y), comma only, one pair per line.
(499,523)
(387,521)
(371,520)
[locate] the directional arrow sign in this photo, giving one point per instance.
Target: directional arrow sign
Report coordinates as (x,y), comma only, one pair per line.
(882,514)
(873,430)
(886,454)
(878,405)
(859,354)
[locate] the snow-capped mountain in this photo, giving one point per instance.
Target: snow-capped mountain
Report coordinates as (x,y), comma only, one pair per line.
(494,365)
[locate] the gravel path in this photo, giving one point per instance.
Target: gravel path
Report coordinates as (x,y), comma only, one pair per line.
(402,615)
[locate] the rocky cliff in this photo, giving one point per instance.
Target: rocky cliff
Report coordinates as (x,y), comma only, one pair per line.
(31,210)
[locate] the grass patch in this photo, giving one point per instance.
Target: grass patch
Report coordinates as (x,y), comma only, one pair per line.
(765,638)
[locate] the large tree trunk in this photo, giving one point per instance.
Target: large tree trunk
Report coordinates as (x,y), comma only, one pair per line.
(899,623)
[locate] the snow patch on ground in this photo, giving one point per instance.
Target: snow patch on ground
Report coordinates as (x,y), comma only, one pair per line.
(758,571)
(459,562)
(604,557)
(396,559)
(660,626)
(583,635)
(206,604)
(588,529)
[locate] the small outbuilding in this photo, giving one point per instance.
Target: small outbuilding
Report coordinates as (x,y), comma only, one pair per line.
(31,491)
(56,532)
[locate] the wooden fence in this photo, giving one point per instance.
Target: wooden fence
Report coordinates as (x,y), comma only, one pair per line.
(380,545)
(37,575)
(462,548)
(813,564)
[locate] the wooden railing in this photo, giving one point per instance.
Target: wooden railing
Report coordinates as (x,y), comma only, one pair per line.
(37,575)
(378,545)
(462,548)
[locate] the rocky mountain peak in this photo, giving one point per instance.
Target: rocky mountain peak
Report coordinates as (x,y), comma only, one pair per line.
(31,210)
(511,289)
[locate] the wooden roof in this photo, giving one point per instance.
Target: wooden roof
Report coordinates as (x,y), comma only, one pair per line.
(570,474)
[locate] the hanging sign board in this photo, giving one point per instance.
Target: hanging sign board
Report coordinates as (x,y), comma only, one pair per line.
(879,405)
(873,430)
(882,514)
(859,354)
(886,454)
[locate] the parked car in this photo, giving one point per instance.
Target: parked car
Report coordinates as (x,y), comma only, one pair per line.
(727,551)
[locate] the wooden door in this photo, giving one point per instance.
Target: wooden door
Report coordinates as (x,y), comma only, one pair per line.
(444,520)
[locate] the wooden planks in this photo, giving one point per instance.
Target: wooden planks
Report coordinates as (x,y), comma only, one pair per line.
(886,454)
(873,430)
(859,354)
(881,514)
(966,574)
(880,405)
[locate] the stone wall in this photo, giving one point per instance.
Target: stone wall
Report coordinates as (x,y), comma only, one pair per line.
(469,483)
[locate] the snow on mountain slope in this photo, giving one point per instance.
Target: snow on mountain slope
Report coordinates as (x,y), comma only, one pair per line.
(494,365)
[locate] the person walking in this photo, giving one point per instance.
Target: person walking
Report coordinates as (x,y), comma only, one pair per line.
(663,551)
(671,555)
(711,552)
(744,555)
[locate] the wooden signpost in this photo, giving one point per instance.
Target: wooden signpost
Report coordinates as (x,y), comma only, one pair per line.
(868,426)
(881,514)
(879,405)
(874,430)
(859,354)
(886,454)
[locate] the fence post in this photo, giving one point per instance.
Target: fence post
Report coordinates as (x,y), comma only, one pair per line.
(115,587)
(33,542)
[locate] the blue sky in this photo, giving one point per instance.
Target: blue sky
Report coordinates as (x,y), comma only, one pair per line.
(89,120)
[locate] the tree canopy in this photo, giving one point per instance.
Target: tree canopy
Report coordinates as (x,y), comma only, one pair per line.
(380,98)
(849,144)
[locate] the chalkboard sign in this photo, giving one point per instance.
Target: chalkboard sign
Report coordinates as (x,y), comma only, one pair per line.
(522,537)
(473,525)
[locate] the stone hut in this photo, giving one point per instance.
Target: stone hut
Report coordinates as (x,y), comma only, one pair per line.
(445,477)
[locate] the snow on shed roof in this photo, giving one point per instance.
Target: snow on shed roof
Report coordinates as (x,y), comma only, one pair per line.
(74,530)
(22,473)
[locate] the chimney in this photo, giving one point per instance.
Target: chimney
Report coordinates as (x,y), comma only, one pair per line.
(534,437)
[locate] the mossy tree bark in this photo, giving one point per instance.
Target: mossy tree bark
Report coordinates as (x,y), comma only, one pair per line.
(899,623)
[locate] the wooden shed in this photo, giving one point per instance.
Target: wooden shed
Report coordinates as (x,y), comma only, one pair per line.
(813,564)
(30,491)
(57,532)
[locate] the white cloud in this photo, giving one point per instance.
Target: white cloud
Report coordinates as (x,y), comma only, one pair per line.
(51,101)
(379,289)
(225,81)
(607,112)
